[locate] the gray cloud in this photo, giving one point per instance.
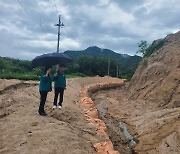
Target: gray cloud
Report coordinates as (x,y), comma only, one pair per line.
(27,26)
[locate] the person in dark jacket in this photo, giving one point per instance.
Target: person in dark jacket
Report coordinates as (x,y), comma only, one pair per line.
(44,87)
(59,86)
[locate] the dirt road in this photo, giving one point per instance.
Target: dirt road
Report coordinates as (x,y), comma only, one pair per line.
(22,130)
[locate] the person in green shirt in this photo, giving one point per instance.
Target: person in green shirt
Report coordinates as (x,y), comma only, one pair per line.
(45,86)
(59,87)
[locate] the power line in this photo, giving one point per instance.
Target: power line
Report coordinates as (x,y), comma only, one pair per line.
(117,70)
(28,11)
(27,7)
(36,13)
(109,63)
(33,9)
(33,13)
(23,7)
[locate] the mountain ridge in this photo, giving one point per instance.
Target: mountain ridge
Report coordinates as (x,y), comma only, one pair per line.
(89,56)
(96,51)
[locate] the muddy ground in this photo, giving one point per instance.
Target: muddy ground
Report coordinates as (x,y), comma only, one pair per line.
(66,131)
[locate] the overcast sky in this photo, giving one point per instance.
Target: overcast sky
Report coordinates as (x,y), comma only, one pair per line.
(27,26)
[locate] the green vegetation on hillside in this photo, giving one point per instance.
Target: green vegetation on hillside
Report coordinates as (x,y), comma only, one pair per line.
(90,64)
(146,50)
(17,69)
(94,61)
(96,51)
(156,45)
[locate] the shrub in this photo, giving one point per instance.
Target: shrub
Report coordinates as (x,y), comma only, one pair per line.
(156,45)
(146,50)
(145,62)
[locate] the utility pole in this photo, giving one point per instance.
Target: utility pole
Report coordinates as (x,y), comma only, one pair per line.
(109,63)
(117,71)
(60,25)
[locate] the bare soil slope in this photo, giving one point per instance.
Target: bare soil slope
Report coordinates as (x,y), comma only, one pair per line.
(157,79)
(149,104)
(157,87)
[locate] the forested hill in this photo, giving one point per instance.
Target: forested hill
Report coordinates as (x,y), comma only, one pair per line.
(89,62)
(105,53)
(94,61)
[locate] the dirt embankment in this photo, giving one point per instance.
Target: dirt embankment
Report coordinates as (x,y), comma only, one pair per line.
(150,103)
(154,92)
(157,79)
(155,131)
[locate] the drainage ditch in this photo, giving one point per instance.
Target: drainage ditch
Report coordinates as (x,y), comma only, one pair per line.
(117,131)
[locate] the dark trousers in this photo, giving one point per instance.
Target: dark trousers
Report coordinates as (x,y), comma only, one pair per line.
(43,96)
(57,92)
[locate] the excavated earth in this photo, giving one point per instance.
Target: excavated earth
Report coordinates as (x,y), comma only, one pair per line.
(149,104)
(93,108)
(64,131)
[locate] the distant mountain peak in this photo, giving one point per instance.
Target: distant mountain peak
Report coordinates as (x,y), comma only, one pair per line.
(97,51)
(94,47)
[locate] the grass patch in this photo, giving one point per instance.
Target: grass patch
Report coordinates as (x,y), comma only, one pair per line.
(30,76)
(19,76)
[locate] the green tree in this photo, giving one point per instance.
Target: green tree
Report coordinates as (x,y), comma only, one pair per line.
(146,50)
(143,47)
(1,64)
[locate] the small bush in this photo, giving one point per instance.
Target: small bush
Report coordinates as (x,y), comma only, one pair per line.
(145,62)
(146,50)
(156,45)
(75,75)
